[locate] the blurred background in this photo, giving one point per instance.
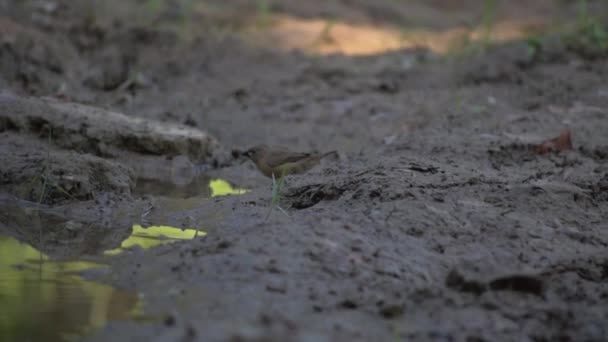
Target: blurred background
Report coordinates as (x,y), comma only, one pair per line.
(111,110)
(212,64)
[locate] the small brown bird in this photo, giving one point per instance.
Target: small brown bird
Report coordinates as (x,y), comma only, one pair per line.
(282,162)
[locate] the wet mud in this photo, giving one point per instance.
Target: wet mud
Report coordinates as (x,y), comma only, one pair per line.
(468,201)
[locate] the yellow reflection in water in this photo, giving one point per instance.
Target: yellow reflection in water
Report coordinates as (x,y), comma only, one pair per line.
(43,300)
(154,236)
(220,187)
(46,300)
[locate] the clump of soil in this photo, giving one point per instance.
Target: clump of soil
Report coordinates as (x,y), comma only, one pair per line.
(456,211)
(40,172)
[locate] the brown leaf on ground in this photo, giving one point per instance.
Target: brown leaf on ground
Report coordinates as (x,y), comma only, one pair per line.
(563,142)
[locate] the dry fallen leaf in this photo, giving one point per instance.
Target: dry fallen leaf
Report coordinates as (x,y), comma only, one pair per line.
(563,142)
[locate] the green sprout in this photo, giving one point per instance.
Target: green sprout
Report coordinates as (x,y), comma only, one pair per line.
(276,195)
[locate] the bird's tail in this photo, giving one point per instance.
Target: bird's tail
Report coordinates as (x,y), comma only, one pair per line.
(329,153)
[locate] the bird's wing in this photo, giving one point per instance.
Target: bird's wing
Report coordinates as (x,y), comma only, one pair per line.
(278,158)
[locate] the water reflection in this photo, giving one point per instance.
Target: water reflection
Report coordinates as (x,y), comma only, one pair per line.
(45,300)
(153,236)
(200,186)
(220,187)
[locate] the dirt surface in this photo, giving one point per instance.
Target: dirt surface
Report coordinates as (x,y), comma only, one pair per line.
(442,219)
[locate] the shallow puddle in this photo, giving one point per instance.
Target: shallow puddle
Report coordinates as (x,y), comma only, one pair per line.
(200,186)
(45,300)
(48,300)
(154,236)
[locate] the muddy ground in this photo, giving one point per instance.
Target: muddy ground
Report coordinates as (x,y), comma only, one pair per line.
(440,220)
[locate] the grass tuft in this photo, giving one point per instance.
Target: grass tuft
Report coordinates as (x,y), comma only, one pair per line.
(276,195)
(590,31)
(263,14)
